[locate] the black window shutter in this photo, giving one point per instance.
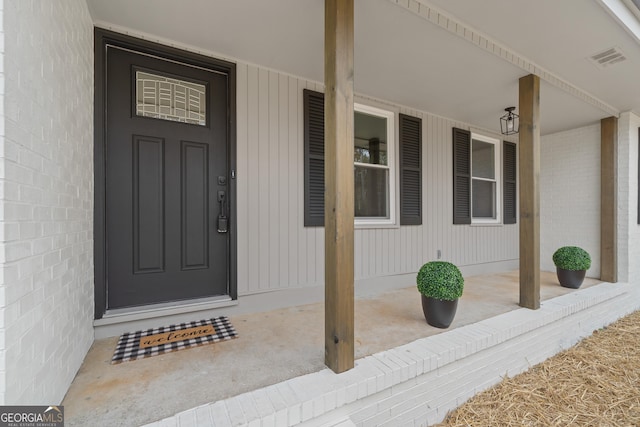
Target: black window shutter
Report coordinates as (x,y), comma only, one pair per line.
(410,161)
(509,182)
(313,158)
(410,170)
(461,176)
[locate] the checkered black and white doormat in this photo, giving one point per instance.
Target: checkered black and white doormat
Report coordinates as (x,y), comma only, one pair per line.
(129,346)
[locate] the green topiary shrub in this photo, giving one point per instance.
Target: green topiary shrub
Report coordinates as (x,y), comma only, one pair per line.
(572,258)
(441,280)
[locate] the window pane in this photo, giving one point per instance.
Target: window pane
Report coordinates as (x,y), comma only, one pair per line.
(371,195)
(370,139)
(165,98)
(483,160)
(484,199)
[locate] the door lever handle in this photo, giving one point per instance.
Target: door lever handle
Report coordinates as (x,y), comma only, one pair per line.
(223,221)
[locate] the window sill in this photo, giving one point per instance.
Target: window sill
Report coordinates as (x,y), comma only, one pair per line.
(374,225)
(486,224)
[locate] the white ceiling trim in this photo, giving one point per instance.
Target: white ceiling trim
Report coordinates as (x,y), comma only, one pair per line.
(437,17)
(629,19)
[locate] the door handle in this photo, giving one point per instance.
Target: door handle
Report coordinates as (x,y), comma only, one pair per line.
(223,221)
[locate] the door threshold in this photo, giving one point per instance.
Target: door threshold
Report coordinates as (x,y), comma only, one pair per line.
(132,314)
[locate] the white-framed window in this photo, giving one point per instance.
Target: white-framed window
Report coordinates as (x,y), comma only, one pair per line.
(486,200)
(387,165)
(374,166)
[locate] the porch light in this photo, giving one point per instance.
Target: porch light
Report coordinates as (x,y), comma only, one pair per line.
(509,123)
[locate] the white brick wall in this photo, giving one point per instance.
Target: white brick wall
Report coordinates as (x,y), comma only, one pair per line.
(46,198)
(628,228)
(570,194)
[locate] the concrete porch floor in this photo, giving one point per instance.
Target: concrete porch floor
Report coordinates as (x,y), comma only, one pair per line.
(272,347)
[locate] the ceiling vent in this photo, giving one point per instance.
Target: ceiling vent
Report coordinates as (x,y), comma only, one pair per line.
(608,57)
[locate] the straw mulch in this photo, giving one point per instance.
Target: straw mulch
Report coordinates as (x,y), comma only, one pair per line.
(595,383)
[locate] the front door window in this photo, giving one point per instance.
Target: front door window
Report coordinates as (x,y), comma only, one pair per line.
(168,98)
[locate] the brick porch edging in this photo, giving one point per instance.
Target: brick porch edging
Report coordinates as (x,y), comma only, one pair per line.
(418,383)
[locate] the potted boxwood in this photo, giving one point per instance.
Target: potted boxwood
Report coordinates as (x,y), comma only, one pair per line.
(440,283)
(571,264)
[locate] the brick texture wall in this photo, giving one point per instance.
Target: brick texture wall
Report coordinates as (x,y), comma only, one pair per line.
(628,228)
(570,194)
(46,198)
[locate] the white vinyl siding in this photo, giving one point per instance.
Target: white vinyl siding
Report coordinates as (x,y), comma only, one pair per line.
(276,251)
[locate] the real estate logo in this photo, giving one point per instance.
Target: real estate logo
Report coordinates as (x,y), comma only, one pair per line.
(31,416)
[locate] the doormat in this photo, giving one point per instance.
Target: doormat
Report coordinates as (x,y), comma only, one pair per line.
(142,344)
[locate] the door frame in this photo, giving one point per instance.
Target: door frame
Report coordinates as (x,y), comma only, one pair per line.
(102,38)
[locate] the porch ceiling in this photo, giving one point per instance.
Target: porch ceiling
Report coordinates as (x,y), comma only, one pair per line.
(404,58)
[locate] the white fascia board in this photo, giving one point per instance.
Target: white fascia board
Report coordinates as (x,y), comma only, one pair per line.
(621,12)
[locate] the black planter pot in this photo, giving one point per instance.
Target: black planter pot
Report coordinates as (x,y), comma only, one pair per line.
(569,278)
(439,313)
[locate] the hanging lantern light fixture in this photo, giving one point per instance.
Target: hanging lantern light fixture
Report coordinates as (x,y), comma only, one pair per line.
(510,122)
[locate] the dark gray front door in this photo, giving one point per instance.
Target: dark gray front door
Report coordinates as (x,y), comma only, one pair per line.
(166,180)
